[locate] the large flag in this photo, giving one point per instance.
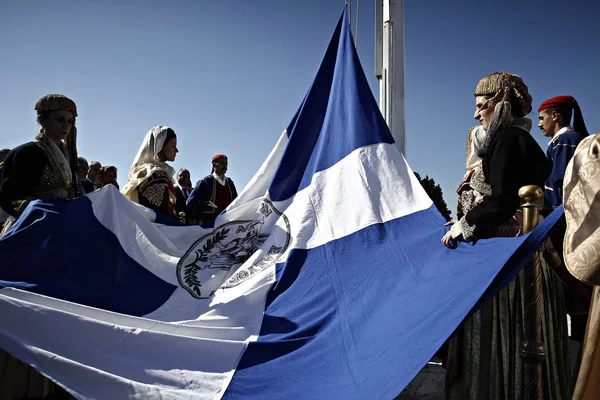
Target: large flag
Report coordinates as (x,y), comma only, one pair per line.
(326,278)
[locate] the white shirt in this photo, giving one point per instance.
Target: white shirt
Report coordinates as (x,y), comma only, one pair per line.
(560,132)
(185,191)
(218,178)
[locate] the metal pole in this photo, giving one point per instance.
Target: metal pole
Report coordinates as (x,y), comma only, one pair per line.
(349,2)
(356,25)
(532,349)
(378,40)
(391,72)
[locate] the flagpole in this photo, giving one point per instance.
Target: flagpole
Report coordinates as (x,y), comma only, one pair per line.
(389,66)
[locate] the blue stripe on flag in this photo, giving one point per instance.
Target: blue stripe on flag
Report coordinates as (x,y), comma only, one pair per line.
(59,249)
(331,123)
(359,317)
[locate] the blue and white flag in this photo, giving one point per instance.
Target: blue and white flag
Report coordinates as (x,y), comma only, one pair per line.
(326,278)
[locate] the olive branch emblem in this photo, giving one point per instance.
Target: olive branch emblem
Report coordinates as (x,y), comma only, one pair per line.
(190,275)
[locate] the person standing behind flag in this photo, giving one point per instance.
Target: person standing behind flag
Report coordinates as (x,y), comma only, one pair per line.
(89,183)
(151,181)
(486,363)
(107,176)
(214,192)
(183,190)
(554,121)
(82,172)
(46,167)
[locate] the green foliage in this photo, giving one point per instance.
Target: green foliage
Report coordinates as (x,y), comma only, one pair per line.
(435,193)
(190,275)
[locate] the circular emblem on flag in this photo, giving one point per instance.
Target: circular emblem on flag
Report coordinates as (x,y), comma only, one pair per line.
(244,246)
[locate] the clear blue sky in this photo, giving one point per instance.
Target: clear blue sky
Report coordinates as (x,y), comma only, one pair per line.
(228,75)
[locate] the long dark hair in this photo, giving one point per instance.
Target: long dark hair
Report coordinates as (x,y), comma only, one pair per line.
(170,135)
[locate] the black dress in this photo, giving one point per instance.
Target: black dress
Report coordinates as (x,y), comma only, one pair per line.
(483,360)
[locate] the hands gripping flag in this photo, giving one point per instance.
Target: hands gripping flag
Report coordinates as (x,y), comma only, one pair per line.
(326,278)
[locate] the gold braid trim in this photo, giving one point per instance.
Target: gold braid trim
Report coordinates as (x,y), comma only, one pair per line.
(54,164)
(154,193)
(153,189)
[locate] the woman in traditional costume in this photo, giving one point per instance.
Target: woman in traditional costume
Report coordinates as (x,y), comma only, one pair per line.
(151,181)
(46,167)
(486,363)
(581,199)
(43,168)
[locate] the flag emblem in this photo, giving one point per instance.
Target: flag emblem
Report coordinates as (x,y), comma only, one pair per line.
(254,242)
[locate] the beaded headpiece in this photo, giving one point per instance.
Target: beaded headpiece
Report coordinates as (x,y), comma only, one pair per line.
(55,102)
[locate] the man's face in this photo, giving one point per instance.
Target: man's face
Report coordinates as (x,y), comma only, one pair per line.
(220,165)
(483,113)
(83,170)
(93,172)
(110,175)
(547,122)
(183,178)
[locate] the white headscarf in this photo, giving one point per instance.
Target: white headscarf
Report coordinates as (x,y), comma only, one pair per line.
(476,142)
(147,162)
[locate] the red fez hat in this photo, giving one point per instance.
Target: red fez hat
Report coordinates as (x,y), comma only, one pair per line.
(567,101)
(217,156)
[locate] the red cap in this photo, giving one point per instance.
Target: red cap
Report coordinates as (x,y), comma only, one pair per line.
(568,101)
(217,156)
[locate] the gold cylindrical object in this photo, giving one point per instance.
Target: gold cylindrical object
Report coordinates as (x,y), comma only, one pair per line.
(532,349)
(182,217)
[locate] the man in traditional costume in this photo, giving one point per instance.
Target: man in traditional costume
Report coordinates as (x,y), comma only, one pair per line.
(582,252)
(151,181)
(555,122)
(486,363)
(44,168)
(214,192)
